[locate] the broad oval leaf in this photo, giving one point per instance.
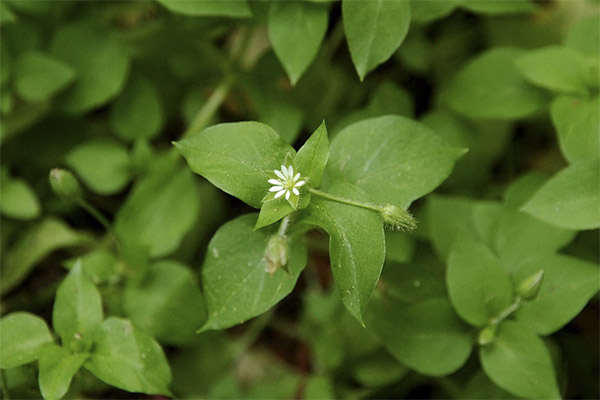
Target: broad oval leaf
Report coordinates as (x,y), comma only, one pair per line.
(77,310)
(127,357)
(237,157)
(356,245)
(478,285)
(167,303)
(57,367)
(39,76)
(583,37)
(491,86)
(296,30)
(19,201)
(100,63)
(570,199)
(237,285)
(577,122)
(394,159)
(519,362)
(103,165)
(23,335)
(568,284)
(374,30)
(215,8)
(161,208)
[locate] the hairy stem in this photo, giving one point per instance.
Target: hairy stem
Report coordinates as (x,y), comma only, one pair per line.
(343,200)
(506,312)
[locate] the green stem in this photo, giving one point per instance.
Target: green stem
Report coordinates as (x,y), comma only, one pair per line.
(256,328)
(285,223)
(506,312)
(5,394)
(202,118)
(94,212)
(343,200)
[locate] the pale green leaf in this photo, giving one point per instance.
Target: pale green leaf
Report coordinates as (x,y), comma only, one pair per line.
(296,30)
(481,387)
(570,199)
(356,245)
(214,8)
(237,158)
(57,367)
(374,30)
(431,10)
(18,199)
(577,122)
(77,310)
(39,76)
(237,284)
(394,159)
(127,357)
(167,303)
(499,7)
(491,86)
(519,362)
(583,36)
(103,165)
(478,285)
(23,335)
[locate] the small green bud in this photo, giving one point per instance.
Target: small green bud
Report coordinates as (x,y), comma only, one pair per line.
(529,288)
(276,253)
(64,184)
(487,335)
(396,218)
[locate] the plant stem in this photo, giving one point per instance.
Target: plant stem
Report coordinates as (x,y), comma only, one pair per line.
(285,222)
(209,108)
(343,200)
(506,312)
(5,394)
(94,212)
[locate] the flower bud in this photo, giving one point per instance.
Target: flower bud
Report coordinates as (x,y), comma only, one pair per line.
(276,253)
(396,218)
(64,184)
(529,288)
(487,335)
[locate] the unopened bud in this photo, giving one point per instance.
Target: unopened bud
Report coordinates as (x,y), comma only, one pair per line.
(64,184)
(276,253)
(396,218)
(529,288)
(487,335)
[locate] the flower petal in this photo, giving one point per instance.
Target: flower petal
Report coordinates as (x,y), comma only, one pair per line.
(275,188)
(274,181)
(296,192)
(279,174)
(287,194)
(279,194)
(290,171)
(300,183)
(297,176)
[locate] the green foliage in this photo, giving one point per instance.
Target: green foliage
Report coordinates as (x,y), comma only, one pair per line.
(299,199)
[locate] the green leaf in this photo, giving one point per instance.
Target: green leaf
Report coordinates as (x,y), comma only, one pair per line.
(498,7)
(57,367)
(138,112)
(569,283)
(23,336)
(583,36)
(356,245)
(39,76)
(570,199)
(273,210)
(557,68)
(374,30)
(237,285)
(296,30)
(394,159)
(399,246)
(431,10)
(167,303)
(491,86)
(577,122)
(236,158)
(481,387)
(77,310)
(100,64)
(161,209)
(313,155)
(128,358)
(103,165)
(99,266)
(19,201)
(35,244)
(478,285)
(426,336)
(519,362)
(378,369)
(214,8)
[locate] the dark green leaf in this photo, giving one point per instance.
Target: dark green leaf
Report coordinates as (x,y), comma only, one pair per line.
(313,155)
(296,30)
(356,245)
(77,310)
(394,159)
(223,8)
(57,367)
(39,76)
(23,336)
(128,358)
(237,284)
(519,362)
(374,30)
(236,158)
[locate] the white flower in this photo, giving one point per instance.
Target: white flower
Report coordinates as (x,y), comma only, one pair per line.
(287,184)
